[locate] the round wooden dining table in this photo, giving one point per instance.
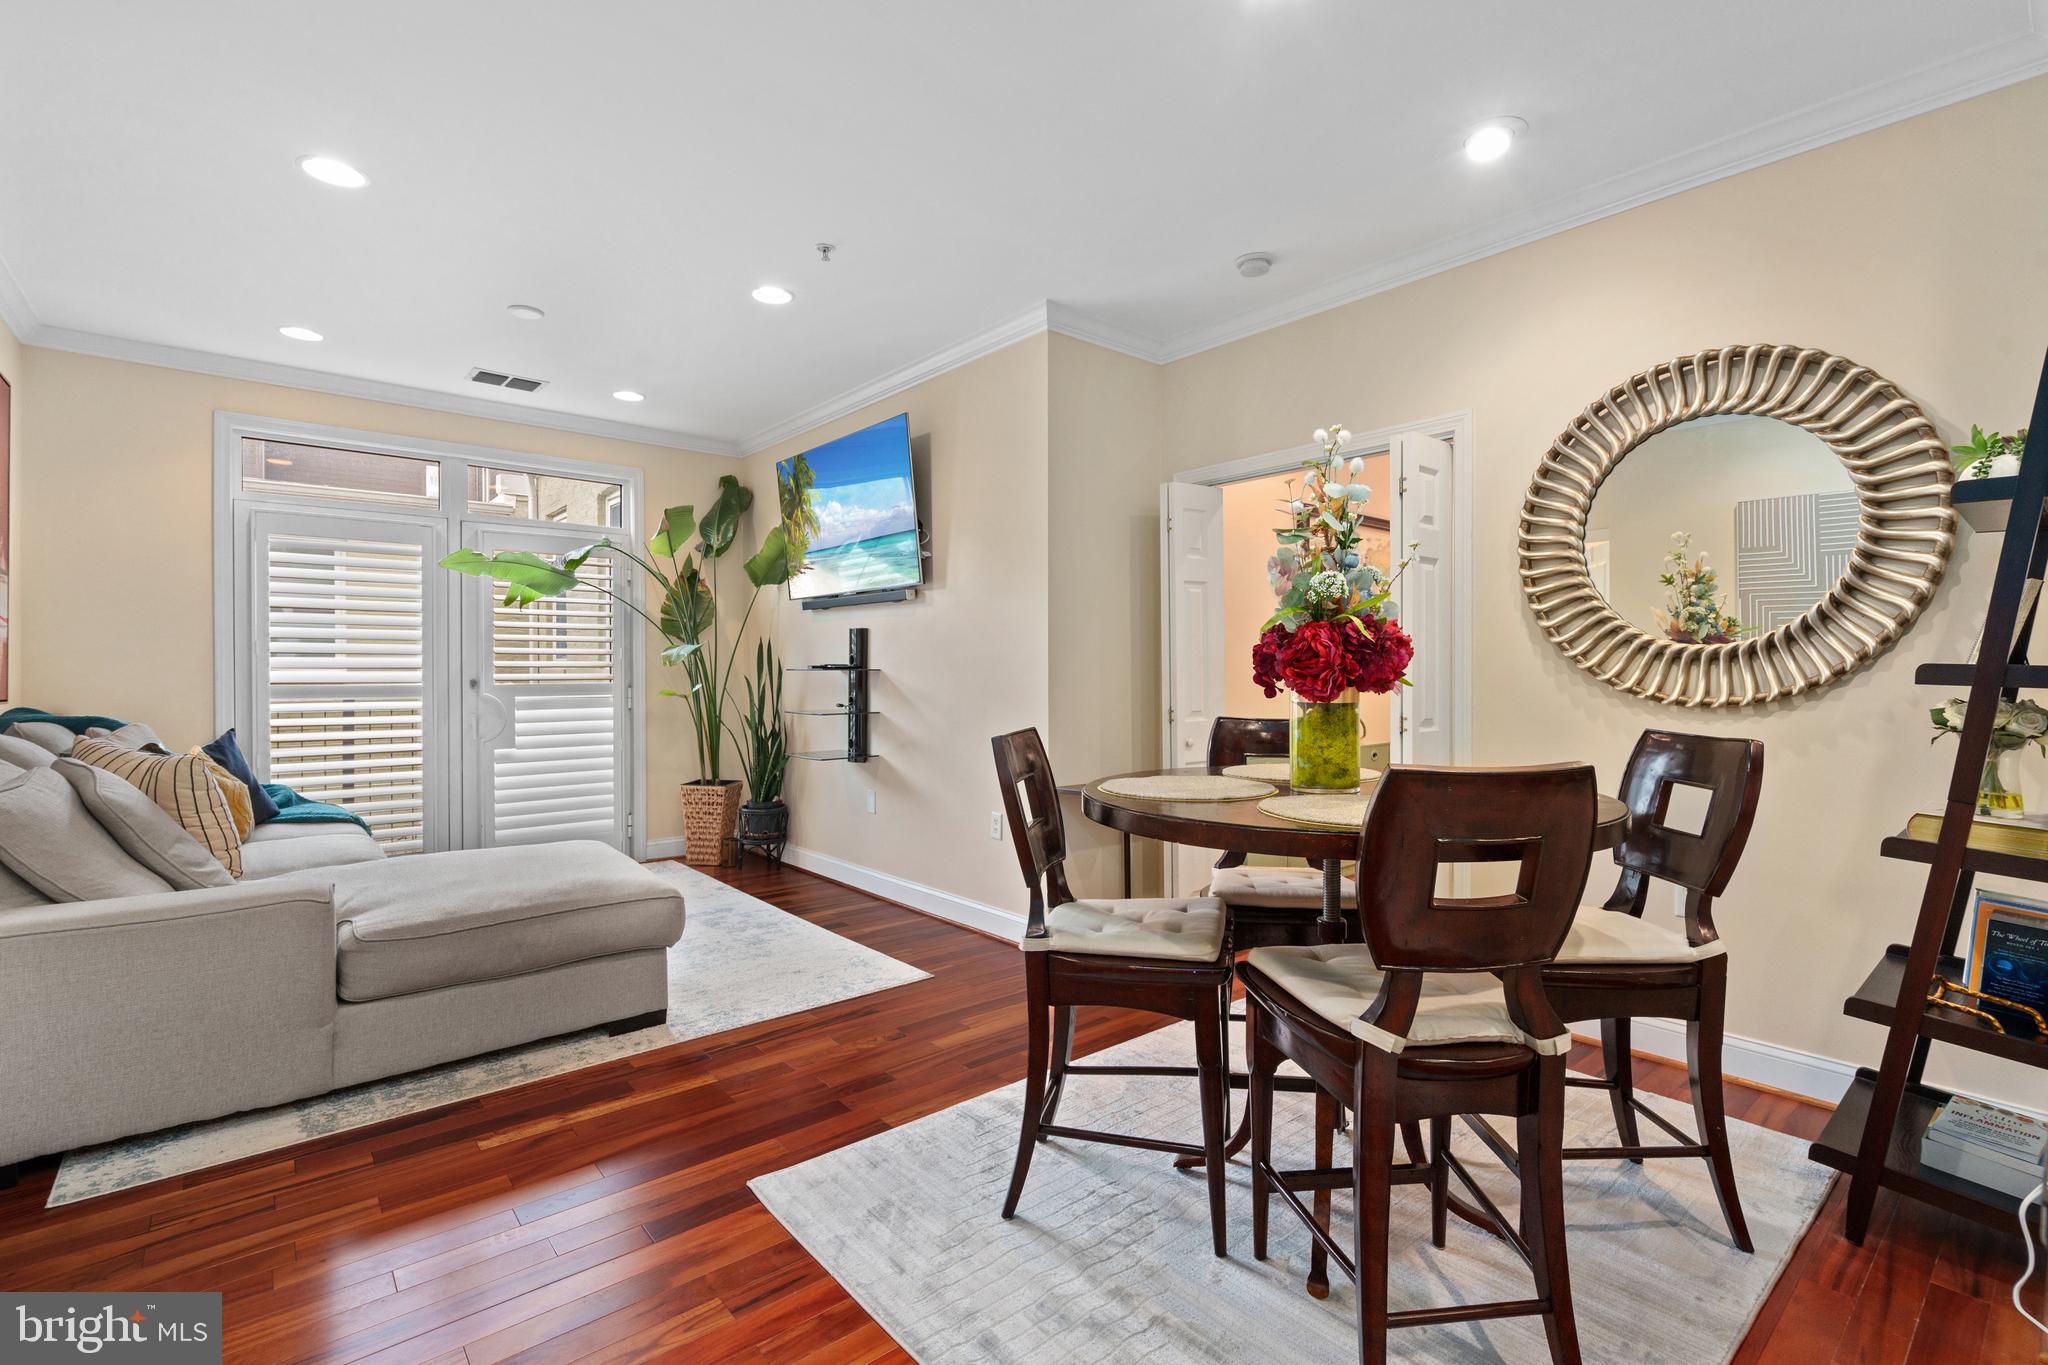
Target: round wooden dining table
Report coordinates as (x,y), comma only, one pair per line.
(1241,827)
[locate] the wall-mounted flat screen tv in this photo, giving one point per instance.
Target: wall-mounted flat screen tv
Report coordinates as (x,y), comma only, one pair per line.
(849,512)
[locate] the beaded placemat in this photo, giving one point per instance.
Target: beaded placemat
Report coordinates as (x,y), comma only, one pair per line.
(1189,787)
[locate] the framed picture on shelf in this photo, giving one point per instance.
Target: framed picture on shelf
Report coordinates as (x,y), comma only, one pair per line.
(2009,957)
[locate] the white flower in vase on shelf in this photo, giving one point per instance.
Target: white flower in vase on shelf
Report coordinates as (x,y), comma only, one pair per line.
(2016,725)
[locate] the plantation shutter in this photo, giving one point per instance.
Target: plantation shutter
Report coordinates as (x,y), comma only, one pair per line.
(344,672)
(551,759)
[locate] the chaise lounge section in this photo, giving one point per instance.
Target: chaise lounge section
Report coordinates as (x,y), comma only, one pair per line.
(326,965)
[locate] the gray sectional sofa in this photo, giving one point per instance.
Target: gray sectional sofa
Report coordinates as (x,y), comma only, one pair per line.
(325,965)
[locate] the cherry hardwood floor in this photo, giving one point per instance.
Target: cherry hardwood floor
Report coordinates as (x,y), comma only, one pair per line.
(604,1215)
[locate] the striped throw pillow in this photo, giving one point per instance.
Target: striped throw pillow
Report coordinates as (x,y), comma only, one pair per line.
(183,785)
(234,789)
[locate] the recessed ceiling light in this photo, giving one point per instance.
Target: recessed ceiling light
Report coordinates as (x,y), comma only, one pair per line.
(773,293)
(628,396)
(299,333)
(525,312)
(328,171)
(1490,140)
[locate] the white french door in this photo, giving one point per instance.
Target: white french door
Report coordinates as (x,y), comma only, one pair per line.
(360,672)
(339,630)
(545,709)
(1191,618)
(1422,469)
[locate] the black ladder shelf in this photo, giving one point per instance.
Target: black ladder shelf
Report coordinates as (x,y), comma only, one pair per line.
(1875,1133)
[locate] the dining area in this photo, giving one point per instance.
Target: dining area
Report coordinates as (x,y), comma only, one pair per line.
(1430,992)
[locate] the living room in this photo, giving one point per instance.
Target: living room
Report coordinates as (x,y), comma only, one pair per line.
(520,534)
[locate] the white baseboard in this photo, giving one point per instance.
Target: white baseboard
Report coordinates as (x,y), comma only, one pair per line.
(928,899)
(1747,1059)
(941,904)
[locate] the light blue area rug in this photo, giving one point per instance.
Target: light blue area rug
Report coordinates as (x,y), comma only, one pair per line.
(740,961)
(1108,1259)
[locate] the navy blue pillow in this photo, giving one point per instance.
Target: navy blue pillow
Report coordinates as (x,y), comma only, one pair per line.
(226,752)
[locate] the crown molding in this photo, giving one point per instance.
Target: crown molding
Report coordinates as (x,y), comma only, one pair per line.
(1028,323)
(15,310)
(1978,72)
(1067,322)
(374,390)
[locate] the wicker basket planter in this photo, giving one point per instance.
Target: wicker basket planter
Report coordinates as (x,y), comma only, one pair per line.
(711,810)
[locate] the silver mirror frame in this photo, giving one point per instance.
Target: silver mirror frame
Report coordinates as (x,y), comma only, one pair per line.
(1905,533)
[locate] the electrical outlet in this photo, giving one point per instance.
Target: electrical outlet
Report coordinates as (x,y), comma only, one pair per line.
(871,800)
(995,825)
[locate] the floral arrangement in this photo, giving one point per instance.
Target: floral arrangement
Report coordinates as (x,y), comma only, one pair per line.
(2017,724)
(1979,459)
(1334,628)
(1692,609)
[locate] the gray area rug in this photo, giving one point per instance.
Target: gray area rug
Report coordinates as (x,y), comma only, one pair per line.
(1108,1258)
(740,961)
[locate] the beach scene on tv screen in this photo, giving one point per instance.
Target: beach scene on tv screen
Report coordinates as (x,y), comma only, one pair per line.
(848,508)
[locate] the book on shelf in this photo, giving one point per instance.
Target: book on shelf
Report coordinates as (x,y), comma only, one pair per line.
(2009,959)
(2026,836)
(1986,1144)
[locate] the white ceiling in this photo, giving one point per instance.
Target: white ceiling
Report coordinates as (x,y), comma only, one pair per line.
(636,167)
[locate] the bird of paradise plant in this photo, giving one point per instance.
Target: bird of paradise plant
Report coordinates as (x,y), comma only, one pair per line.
(686,611)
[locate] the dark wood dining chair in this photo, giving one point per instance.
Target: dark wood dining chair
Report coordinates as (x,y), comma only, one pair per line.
(1267,904)
(1169,957)
(1619,964)
(1440,1012)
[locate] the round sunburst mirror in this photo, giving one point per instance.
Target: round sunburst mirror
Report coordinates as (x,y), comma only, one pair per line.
(1737,526)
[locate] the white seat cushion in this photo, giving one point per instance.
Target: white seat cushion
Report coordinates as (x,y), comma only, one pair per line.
(1339,982)
(1610,936)
(1188,930)
(1276,888)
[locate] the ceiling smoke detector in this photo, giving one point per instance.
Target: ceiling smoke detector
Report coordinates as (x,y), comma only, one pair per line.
(1253,264)
(525,312)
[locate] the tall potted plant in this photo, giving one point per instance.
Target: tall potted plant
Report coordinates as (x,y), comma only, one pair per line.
(764,758)
(686,615)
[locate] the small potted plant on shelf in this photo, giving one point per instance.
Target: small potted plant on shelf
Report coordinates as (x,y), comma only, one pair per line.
(1989,456)
(686,617)
(764,758)
(2016,725)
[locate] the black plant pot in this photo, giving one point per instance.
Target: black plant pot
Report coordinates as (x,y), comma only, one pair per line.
(764,827)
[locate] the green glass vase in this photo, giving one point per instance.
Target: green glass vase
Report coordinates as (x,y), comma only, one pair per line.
(1322,744)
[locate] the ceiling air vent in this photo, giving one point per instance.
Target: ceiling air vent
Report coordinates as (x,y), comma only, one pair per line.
(498,380)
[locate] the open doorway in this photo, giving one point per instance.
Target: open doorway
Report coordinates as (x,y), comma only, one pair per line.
(1217,536)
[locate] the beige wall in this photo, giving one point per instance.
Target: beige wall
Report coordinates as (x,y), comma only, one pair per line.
(113,536)
(1103,573)
(1916,250)
(11,370)
(962,662)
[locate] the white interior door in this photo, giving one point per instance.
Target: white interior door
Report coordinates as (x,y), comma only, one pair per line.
(1423,714)
(1191,578)
(547,692)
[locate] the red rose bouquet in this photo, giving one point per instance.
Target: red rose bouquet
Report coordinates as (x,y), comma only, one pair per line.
(1334,629)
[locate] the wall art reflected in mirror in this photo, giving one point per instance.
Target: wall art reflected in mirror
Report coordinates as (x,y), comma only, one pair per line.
(1721,527)
(1737,526)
